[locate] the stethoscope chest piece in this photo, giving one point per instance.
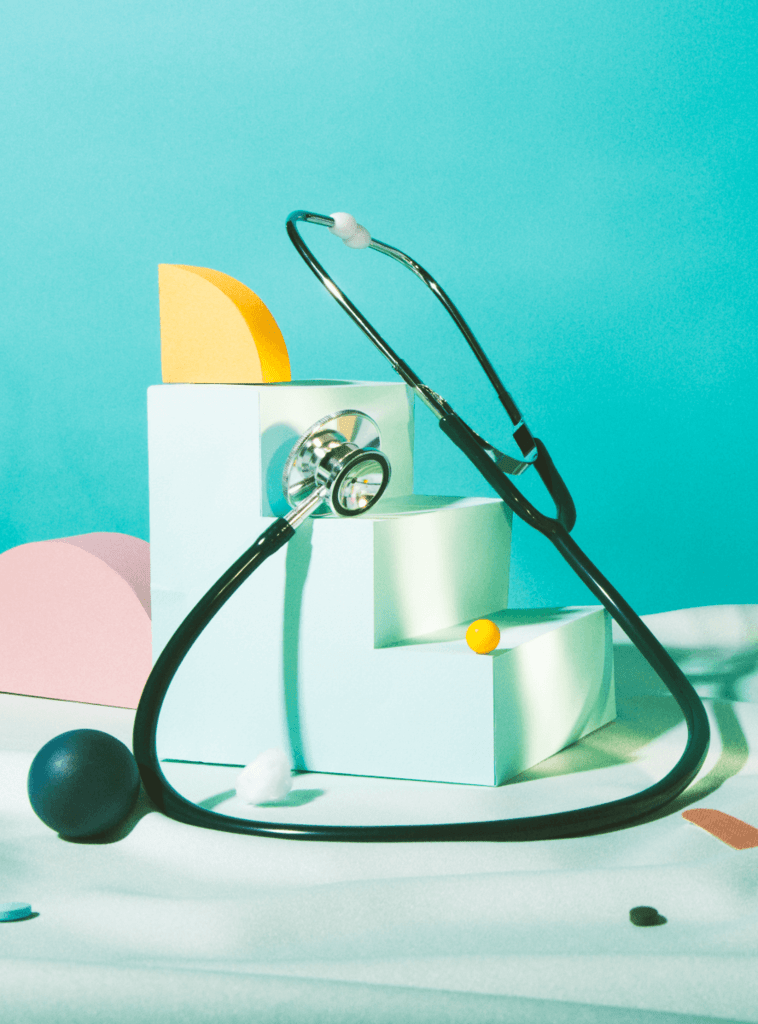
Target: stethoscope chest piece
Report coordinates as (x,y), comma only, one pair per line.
(339,455)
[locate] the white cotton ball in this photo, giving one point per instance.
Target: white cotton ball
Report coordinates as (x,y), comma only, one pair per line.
(268,777)
(344,225)
(360,238)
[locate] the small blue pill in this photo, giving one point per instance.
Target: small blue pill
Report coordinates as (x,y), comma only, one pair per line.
(14,911)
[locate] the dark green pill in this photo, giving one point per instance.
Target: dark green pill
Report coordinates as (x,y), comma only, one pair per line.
(645,917)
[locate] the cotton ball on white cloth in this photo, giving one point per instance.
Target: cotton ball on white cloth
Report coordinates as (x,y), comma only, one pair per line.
(268,777)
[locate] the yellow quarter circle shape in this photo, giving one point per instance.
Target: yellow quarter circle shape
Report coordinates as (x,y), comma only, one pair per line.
(215,330)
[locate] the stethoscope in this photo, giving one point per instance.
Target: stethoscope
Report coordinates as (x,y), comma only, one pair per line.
(338,467)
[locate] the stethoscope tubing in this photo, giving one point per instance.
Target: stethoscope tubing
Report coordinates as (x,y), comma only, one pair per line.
(561,825)
(621,813)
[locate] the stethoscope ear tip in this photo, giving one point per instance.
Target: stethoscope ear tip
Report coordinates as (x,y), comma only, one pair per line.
(353,234)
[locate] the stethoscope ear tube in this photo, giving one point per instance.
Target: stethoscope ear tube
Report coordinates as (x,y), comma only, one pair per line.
(463,438)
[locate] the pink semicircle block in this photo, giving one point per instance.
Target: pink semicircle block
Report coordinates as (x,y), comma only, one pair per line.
(74,619)
(128,556)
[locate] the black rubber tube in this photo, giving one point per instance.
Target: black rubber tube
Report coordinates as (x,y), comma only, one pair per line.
(174,653)
(583,821)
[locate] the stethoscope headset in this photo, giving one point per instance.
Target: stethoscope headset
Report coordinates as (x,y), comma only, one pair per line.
(337,466)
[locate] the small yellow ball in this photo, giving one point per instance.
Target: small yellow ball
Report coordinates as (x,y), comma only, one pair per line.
(482,636)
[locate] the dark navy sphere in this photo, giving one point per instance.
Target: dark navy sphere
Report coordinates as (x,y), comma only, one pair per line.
(83,783)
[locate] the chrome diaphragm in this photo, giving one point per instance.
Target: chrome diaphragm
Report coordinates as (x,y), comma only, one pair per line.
(340,456)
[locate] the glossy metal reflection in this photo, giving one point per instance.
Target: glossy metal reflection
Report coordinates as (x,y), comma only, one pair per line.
(362,482)
(340,454)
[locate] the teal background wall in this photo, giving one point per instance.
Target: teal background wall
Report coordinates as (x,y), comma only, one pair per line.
(579,175)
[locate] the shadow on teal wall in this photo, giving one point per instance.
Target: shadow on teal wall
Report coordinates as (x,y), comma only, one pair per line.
(579,176)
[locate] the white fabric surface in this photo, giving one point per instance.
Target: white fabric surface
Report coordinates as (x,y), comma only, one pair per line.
(170,923)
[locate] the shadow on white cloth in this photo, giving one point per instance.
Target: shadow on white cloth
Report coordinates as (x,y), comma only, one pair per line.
(172,923)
